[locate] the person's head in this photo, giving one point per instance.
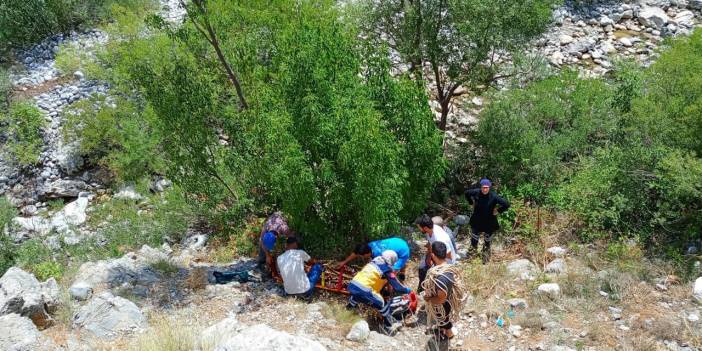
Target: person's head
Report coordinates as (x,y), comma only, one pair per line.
(485,185)
(390,257)
(362,250)
(291,243)
(424,224)
(438,221)
(268,240)
(438,252)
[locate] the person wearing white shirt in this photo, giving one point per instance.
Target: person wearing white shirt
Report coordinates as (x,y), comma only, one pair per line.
(291,266)
(434,233)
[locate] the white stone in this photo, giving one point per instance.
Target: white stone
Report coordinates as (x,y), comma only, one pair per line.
(557,266)
(697,290)
(22,293)
(653,17)
(107,316)
(565,39)
(551,290)
(518,304)
(693,317)
(359,331)
(128,193)
(626,41)
(685,18)
(18,333)
(522,268)
(557,251)
(220,332)
(261,337)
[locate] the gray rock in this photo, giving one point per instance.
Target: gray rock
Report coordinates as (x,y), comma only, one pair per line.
(161,185)
(22,293)
(697,290)
(653,17)
(107,316)
(261,337)
(63,188)
(195,242)
(551,290)
(565,39)
(695,4)
(132,268)
(557,251)
(626,41)
(72,214)
(220,332)
(518,304)
(80,291)
(78,75)
(359,331)
(523,269)
(18,333)
(685,18)
(557,266)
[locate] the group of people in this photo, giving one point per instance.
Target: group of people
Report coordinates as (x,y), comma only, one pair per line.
(439,280)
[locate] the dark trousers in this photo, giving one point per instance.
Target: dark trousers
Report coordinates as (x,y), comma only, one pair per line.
(475,237)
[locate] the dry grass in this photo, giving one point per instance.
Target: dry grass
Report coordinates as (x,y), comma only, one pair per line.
(197,279)
(338,312)
(166,334)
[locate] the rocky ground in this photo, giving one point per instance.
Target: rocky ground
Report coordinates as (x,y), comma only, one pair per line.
(557,299)
(548,299)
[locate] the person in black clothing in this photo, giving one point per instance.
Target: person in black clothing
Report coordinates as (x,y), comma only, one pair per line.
(486,206)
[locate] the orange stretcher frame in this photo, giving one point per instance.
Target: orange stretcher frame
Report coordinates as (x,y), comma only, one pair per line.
(337,280)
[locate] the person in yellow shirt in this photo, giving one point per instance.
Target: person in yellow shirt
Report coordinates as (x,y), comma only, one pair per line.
(366,285)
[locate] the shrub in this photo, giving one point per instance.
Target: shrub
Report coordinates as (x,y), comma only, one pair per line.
(24,124)
(26,22)
(116,134)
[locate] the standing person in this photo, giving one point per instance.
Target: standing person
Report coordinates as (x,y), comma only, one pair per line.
(438,220)
(444,293)
(376,248)
(291,265)
(434,233)
(366,285)
(486,206)
(275,225)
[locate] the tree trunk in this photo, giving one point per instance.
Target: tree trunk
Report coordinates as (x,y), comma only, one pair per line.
(445,103)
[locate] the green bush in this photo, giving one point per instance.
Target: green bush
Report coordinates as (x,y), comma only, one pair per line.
(117,135)
(7,252)
(621,154)
(28,21)
(24,124)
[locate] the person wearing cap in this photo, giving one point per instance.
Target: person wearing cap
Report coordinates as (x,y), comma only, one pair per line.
(376,248)
(366,285)
(291,266)
(486,206)
(275,225)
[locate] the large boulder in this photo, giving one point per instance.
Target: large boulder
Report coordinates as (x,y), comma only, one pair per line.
(107,316)
(522,268)
(685,18)
(653,17)
(22,293)
(219,333)
(18,333)
(132,268)
(261,337)
(64,188)
(72,214)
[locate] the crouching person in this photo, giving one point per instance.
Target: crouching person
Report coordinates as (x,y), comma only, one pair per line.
(367,284)
(291,266)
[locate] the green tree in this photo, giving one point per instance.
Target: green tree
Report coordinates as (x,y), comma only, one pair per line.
(345,149)
(464,42)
